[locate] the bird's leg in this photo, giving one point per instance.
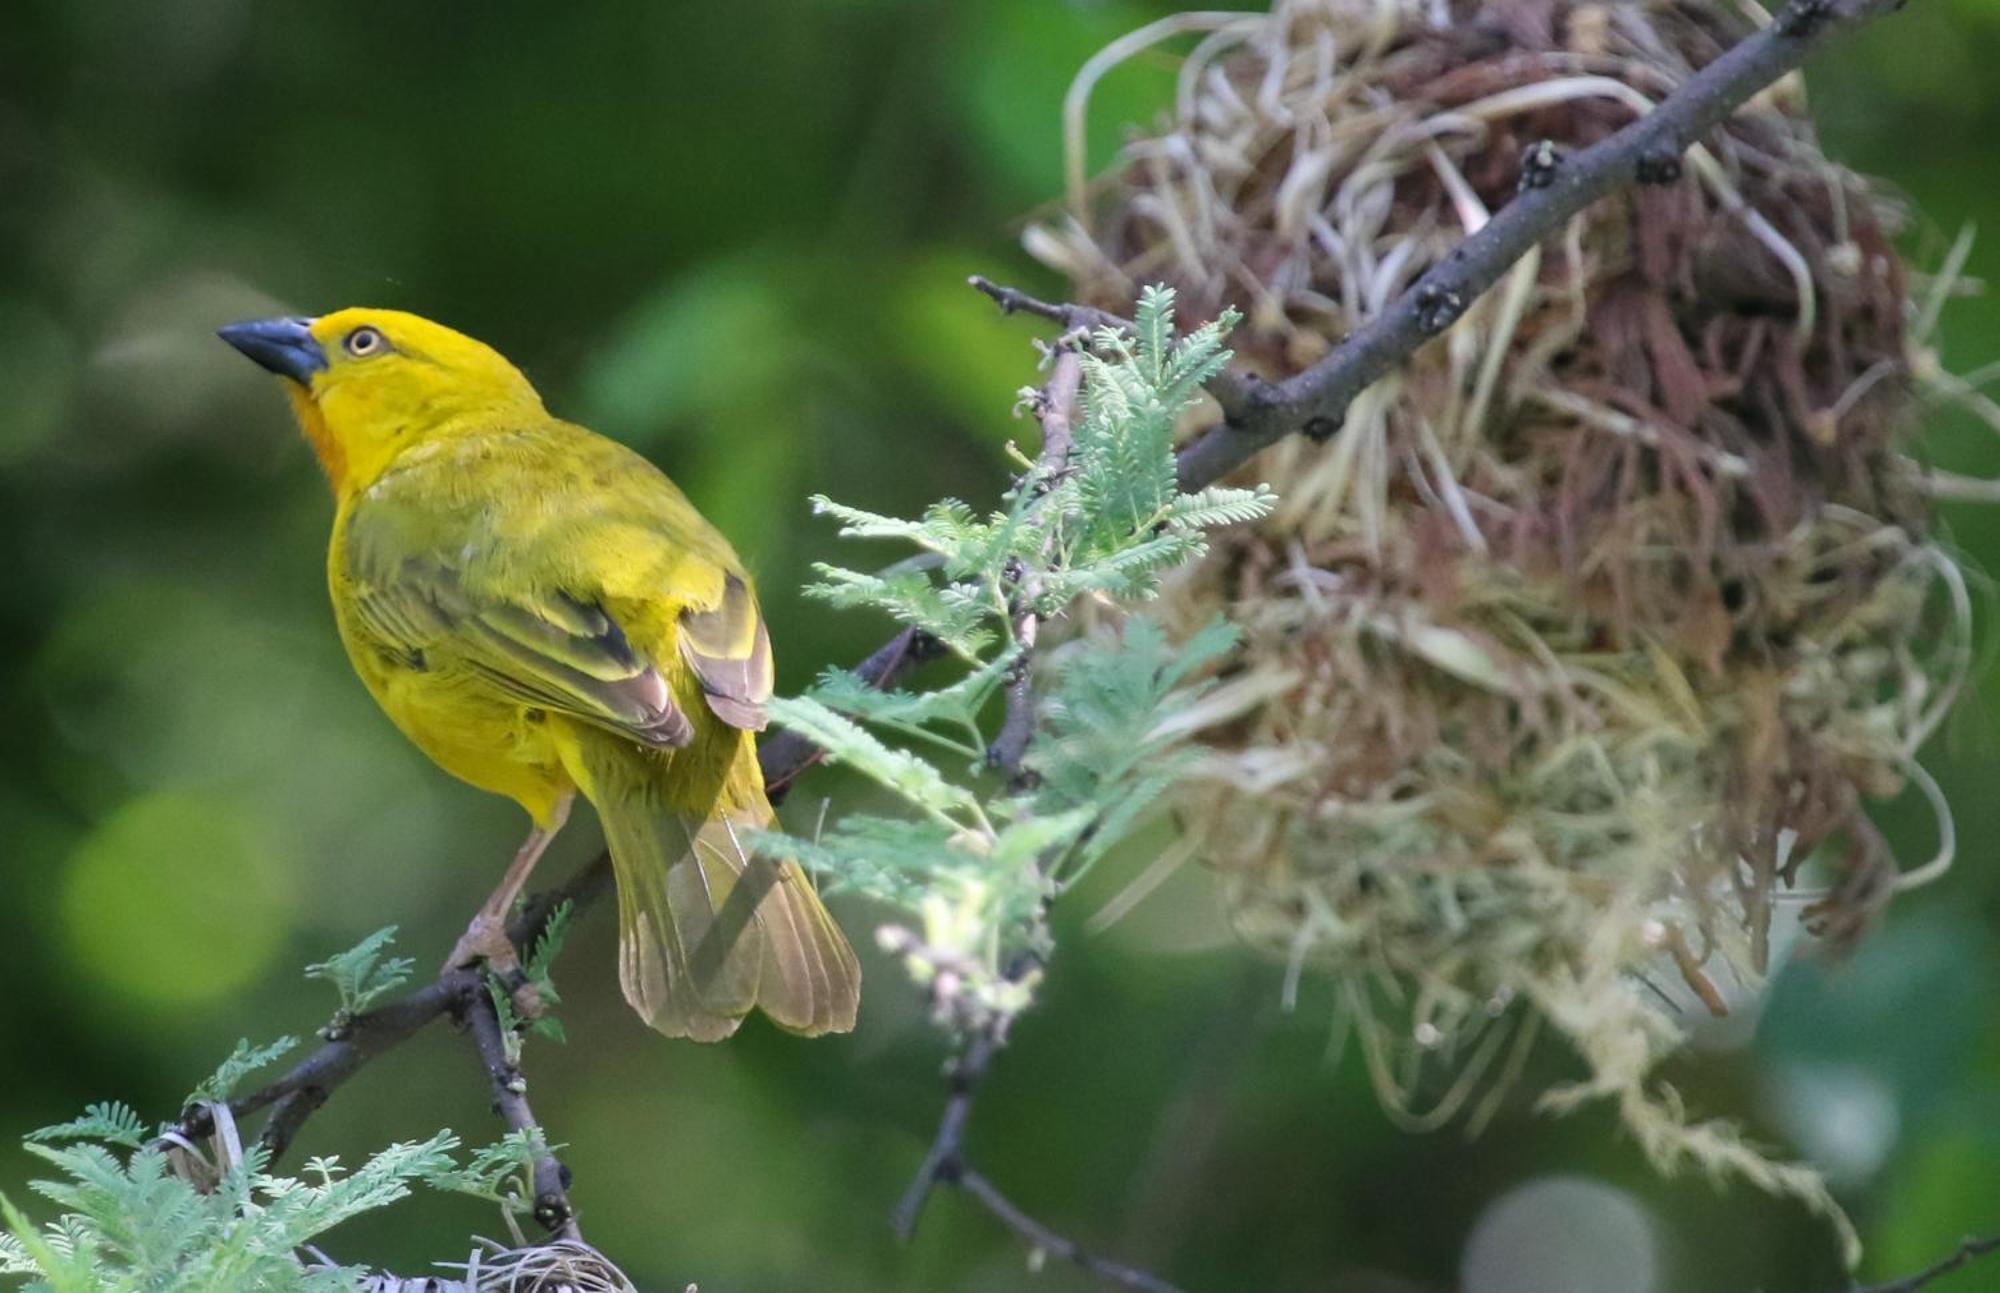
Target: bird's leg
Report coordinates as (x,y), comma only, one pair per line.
(486,938)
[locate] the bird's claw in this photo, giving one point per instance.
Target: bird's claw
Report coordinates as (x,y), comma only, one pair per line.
(485,939)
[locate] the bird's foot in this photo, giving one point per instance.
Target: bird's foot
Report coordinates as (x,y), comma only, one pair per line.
(485,940)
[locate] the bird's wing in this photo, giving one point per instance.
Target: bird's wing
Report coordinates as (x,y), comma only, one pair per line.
(547,649)
(579,579)
(730,652)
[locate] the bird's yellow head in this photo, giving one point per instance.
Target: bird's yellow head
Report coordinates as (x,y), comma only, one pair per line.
(369,384)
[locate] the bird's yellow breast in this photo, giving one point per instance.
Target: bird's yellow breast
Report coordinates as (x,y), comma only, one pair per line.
(459,719)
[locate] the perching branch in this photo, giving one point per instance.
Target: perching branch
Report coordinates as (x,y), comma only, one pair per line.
(1968,1251)
(297,1095)
(510,1100)
(462,995)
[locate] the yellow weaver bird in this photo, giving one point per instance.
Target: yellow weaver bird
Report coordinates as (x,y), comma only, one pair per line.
(543,612)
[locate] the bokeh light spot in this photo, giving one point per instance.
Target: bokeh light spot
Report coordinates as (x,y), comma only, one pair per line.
(170,902)
(1562,1234)
(1844,1116)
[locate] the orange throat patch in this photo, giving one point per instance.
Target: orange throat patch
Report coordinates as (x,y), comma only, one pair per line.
(332,458)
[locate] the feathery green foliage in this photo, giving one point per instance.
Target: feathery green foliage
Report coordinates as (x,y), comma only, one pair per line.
(974,860)
(143,1209)
(131,1221)
(361,975)
(242,1062)
(502,1173)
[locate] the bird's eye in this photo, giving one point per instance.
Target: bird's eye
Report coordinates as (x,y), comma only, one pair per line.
(364,341)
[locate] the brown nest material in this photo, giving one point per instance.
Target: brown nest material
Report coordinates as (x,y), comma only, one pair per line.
(553,1266)
(1580,649)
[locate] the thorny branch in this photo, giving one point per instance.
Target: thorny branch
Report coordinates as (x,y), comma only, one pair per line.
(1256,414)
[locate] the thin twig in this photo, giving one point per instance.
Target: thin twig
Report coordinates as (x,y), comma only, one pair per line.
(1235,393)
(1048,1241)
(787,756)
(945,1160)
(1069,316)
(1968,1251)
(945,1165)
(510,1101)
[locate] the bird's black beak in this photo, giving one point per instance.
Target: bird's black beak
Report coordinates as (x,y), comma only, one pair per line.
(284,346)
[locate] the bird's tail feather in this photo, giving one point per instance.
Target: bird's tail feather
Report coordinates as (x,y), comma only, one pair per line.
(707,930)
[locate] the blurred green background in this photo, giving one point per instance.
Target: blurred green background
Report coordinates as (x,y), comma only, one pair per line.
(736,236)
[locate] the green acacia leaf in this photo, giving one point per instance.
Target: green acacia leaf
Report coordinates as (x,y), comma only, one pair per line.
(847,742)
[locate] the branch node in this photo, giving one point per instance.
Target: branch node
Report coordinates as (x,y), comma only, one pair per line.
(1661,165)
(1802,18)
(1539,163)
(552,1210)
(1319,430)
(1438,308)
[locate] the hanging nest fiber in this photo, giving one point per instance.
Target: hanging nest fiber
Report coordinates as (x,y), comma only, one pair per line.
(1578,652)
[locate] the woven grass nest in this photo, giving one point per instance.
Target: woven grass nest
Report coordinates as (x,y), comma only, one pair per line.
(1579,652)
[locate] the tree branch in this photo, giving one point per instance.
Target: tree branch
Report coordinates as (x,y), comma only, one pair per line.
(297,1095)
(1647,151)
